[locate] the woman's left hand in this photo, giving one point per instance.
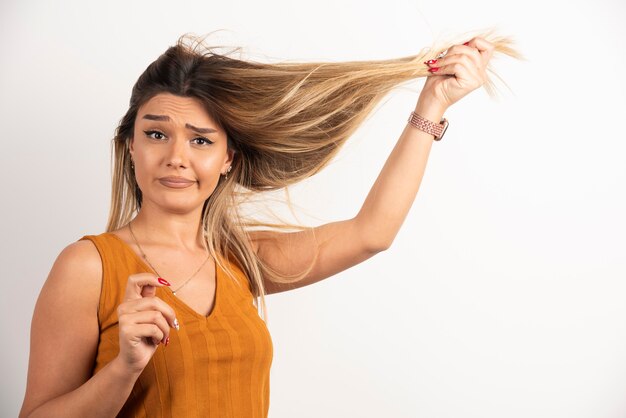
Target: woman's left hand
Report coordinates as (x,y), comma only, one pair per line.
(462,70)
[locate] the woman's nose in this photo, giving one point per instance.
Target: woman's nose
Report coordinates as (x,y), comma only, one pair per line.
(177,153)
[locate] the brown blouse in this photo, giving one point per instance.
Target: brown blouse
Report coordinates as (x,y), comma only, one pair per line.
(214,366)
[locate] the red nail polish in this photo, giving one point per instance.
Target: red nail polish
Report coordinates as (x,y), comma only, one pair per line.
(429,62)
(163,281)
(466,43)
(434,69)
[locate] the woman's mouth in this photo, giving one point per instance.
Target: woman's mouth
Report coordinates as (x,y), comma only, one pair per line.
(176,182)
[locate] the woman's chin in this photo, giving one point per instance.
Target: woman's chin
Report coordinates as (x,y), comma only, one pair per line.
(179,206)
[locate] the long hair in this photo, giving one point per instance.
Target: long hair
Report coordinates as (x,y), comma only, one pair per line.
(285,122)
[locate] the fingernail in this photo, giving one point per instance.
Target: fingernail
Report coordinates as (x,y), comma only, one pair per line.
(176,325)
(434,69)
(167,341)
(466,43)
(163,281)
(430,62)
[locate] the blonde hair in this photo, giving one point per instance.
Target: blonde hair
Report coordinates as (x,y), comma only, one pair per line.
(285,122)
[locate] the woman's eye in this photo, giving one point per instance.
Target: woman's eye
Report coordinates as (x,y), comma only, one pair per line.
(149,133)
(203,141)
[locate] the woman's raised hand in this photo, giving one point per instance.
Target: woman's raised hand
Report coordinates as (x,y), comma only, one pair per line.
(144,321)
(461,70)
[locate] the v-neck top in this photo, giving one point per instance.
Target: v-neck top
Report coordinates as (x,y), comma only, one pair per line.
(214,366)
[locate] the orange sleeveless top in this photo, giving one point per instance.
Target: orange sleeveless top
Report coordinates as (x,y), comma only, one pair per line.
(215,366)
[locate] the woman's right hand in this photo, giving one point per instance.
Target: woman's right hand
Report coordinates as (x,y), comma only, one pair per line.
(144,321)
(461,70)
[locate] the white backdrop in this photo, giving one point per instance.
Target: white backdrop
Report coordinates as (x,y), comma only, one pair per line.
(503,294)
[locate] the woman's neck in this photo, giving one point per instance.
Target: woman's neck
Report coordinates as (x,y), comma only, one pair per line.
(175,230)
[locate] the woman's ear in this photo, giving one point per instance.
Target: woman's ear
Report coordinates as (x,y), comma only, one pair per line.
(230,155)
(130,147)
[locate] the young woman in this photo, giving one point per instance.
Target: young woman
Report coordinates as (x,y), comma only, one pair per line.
(158,316)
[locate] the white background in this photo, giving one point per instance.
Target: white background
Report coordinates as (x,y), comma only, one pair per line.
(502,295)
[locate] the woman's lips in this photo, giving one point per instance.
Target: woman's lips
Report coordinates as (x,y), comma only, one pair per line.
(176,183)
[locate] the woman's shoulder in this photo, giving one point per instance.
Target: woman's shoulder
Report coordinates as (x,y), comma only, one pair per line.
(91,242)
(80,257)
(74,280)
(82,260)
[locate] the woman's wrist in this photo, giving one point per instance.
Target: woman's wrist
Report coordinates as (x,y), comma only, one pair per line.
(123,372)
(430,109)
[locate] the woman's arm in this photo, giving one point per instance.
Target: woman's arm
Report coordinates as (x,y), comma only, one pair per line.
(394,191)
(344,244)
(63,344)
(101,396)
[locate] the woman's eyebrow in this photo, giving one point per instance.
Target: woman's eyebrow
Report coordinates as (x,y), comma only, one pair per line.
(166,118)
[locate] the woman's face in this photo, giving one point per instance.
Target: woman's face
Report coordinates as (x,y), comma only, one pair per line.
(175,137)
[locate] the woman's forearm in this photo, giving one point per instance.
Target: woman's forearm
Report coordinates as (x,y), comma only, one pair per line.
(394,191)
(101,396)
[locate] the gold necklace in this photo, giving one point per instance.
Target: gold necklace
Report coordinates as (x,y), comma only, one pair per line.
(146,258)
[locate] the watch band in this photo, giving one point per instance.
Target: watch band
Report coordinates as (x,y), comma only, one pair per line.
(435,129)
